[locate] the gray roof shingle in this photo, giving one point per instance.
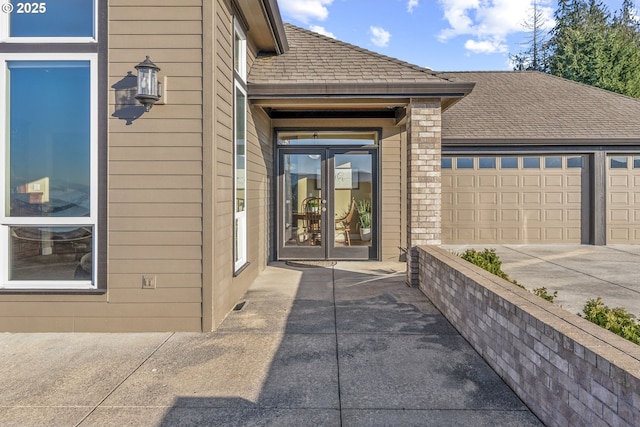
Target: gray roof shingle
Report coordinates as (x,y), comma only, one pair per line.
(509,106)
(316,59)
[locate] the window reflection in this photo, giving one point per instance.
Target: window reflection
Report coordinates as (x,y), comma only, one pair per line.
(59,18)
(51,253)
(50,142)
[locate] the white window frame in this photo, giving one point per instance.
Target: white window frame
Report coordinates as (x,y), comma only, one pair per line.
(240,218)
(4,29)
(241,49)
(7,221)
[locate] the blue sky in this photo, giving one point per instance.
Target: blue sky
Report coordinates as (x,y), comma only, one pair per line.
(444,35)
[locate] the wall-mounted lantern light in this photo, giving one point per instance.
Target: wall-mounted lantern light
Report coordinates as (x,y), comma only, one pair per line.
(149,89)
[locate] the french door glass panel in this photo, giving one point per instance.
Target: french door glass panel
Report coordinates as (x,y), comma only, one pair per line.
(353,200)
(327,205)
(303,204)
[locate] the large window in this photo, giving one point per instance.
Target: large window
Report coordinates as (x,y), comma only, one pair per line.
(240,149)
(48,146)
(68,21)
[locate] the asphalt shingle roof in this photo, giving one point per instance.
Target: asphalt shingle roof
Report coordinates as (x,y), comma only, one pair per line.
(316,59)
(537,106)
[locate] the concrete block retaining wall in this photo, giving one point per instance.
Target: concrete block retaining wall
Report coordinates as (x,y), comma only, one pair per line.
(569,371)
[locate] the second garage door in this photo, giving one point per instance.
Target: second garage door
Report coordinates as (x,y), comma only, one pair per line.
(512,199)
(623,199)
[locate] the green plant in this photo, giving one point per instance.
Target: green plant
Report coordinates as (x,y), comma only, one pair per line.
(544,294)
(489,260)
(616,320)
(363,207)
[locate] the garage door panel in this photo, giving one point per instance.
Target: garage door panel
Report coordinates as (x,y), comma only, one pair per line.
(466,234)
(509,234)
(553,181)
(510,215)
(619,199)
(574,234)
(618,215)
(487,198)
(532,215)
(465,181)
(573,198)
(509,198)
(555,234)
(553,198)
(465,215)
(513,205)
(619,233)
(531,235)
(619,181)
(488,181)
(531,181)
(509,181)
(488,215)
(574,181)
(468,198)
(553,214)
(623,203)
(574,215)
(531,198)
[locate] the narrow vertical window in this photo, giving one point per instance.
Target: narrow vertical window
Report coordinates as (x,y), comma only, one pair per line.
(240,148)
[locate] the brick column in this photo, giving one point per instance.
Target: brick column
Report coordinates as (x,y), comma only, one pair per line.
(424,184)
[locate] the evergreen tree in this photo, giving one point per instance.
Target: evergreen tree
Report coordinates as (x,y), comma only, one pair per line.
(535,56)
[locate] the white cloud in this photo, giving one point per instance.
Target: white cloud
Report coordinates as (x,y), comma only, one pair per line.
(412,5)
(379,36)
(485,46)
(489,22)
(304,10)
(321,30)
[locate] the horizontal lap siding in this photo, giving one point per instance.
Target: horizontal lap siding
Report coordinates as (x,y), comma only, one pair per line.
(154,168)
(155,171)
(223,262)
(392,191)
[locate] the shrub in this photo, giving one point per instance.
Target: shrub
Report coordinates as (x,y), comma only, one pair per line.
(543,293)
(489,260)
(616,320)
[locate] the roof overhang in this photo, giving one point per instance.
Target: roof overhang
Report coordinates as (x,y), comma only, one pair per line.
(262,21)
(342,100)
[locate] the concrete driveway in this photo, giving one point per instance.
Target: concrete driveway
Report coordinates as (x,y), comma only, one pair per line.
(349,345)
(577,272)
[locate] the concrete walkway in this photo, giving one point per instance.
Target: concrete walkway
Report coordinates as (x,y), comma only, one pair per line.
(577,272)
(350,345)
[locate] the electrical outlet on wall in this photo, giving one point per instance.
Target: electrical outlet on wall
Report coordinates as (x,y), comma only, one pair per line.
(148,282)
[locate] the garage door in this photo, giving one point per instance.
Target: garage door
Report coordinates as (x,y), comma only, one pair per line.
(512,199)
(623,199)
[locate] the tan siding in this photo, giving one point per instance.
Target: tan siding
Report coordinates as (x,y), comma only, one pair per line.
(155,185)
(155,166)
(223,161)
(391,192)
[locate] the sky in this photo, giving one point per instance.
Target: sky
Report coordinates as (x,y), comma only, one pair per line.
(444,35)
